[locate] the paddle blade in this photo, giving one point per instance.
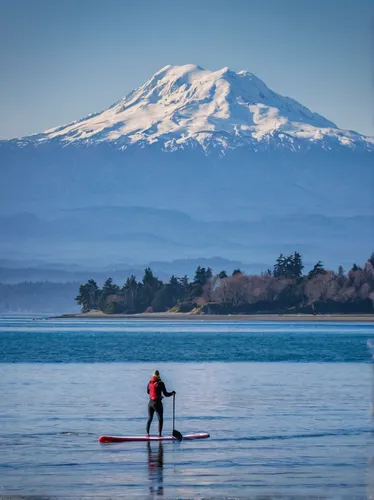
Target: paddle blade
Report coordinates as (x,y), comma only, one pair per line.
(177,435)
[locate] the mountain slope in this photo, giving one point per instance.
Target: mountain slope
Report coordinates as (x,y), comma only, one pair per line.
(216,164)
(184,106)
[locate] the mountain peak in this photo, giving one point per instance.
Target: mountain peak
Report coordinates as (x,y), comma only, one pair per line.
(174,72)
(181,106)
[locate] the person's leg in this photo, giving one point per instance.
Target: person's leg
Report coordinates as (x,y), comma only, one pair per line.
(160,414)
(151,412)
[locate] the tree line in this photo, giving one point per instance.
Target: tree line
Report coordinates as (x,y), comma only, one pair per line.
(282,289)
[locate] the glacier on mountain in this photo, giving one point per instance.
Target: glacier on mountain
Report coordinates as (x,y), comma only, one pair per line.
(191,164)
(183,106)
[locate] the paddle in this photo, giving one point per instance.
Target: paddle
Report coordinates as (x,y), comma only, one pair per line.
(176,433)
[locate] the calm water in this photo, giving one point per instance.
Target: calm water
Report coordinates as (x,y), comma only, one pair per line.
(288,407)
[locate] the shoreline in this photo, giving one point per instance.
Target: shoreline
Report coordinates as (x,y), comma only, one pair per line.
(344,318)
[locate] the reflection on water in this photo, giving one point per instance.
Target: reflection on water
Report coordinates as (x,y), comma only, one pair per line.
(155,468)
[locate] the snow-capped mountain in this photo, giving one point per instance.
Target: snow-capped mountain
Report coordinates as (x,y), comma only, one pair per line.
(188,106)
(193,163)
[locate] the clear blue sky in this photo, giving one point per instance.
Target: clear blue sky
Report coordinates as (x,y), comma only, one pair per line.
(61,60)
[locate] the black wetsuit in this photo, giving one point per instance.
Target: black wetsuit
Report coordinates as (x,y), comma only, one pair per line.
(155,405)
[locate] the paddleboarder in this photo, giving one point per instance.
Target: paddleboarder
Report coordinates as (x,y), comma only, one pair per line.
(156,388)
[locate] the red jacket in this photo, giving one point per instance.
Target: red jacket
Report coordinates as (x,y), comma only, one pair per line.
(156,388)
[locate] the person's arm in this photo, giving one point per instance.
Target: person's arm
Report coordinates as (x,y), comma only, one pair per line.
(148,388)
(165,392)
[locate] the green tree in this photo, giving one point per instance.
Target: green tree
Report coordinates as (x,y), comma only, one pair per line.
(296,264)
(109,288)
(317,269)
(175,288)
(150,285)
(163,299)
(185,287)
(202,275)
(174,282)
(89,296)
(184,282)
(168,295)
(130,291)
(279,266)
(290,267)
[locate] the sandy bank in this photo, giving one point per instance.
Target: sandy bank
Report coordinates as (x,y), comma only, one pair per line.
(368,318)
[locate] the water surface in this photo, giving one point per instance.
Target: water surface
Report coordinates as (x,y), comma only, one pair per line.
(92,340)
(288,407)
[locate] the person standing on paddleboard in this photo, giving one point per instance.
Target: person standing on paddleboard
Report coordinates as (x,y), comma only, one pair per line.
(156,388)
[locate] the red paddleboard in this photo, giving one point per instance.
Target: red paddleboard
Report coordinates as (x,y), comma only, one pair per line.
(121,439)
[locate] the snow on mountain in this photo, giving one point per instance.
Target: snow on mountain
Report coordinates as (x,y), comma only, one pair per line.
(184,106)
(254,198)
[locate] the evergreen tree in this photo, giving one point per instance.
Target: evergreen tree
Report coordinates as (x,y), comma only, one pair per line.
(93,294)
(174,282)
(150,285)
(89,296)
(168,295)
(82,298)
(199,273)
(290,267)
(317,269)
(202,276)
(184,283)
(222,275)
(108,289)
(279,266)
(130,292)
(175,290)
(296,265)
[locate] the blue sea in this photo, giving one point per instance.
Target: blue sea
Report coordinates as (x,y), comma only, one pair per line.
(289,407)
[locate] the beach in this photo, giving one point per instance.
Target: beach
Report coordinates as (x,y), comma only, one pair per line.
(369,318)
